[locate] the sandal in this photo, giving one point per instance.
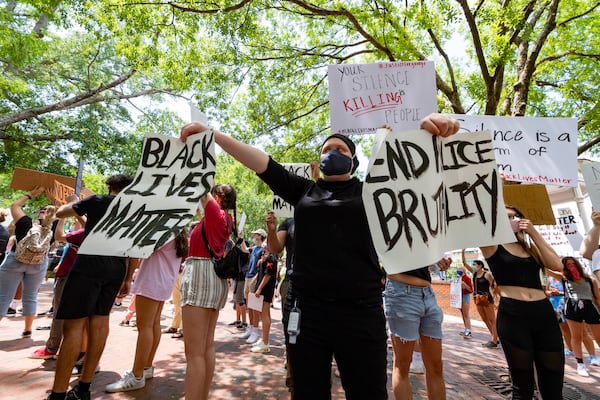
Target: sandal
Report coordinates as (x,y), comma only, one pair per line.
(170,330)
(177,335)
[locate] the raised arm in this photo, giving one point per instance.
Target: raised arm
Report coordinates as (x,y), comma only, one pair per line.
(465,263)
(59,233)
(275,240)
(15,208)
(590,241)
(550,259)
(253,158)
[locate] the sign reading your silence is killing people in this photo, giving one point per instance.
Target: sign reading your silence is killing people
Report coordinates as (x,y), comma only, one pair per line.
(363,97)
(529,149)
(162,199)
(425,195)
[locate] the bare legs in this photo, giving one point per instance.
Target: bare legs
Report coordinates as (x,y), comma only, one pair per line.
(488,316)
(149,333)
(431,350)
(199,350)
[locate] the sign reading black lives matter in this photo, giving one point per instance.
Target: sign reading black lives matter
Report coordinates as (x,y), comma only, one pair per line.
(425,195)
(279,205)
(162,199)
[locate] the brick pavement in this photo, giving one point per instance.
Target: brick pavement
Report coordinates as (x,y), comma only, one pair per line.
(239,373)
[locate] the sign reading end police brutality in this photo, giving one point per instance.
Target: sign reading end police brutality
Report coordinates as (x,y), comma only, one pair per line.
(363,97)
(425,195)
(161,200)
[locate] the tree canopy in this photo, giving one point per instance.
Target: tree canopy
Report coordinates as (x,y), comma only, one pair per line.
(74,71)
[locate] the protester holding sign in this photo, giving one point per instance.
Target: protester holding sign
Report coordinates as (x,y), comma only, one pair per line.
(483,284)
(527,327)
(31,273)
(203,293)
(152,286)
(413,314)
(88,296)
(333,244)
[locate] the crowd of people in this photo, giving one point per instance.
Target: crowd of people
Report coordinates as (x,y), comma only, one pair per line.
(333,282)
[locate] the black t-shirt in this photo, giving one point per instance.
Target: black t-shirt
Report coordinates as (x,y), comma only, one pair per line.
(4,236)
(290,243)
(334,255)
(93,207)
(267,267)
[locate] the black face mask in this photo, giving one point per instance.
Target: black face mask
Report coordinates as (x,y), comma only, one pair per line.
(335,163)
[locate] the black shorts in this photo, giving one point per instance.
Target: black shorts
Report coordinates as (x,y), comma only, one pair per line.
(582,311)
(91,287)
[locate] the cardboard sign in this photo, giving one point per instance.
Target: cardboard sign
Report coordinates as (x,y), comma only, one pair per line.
(60,192)
(532,201)
(425,195)
(163,198)
(363,97)
(27,179)
(591,177)
(530,150)
(279,205)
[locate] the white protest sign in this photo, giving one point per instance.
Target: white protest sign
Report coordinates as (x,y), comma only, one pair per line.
(528,149)
(425,195)
(161,200)
(591,177)
(568,224)
(242,222)
(556,238)
(279,205)
(363,97)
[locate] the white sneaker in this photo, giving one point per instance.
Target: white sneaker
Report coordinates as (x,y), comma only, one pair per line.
(417,367)
(260,347)
(149,372)
(246,334)
(126,383)
(594,361)
(253,338)
(581,371)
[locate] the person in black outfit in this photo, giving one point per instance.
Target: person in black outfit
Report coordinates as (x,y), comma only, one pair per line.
(4,235)
(526,323)
(88,296)
(337,281)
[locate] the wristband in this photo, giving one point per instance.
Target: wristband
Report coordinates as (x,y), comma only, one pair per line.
(28,196)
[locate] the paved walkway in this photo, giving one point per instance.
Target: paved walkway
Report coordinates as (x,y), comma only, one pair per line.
(470,370)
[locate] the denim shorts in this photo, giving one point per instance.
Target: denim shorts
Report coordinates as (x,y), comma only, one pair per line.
(412,311)
(466,298)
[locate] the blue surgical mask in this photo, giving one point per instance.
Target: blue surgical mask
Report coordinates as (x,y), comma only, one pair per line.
(335,163)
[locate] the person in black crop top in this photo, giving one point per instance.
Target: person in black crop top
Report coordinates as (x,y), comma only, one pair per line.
(333,244)
(527,327)
(483,285)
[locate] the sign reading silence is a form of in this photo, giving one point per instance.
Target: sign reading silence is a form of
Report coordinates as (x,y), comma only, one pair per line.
(529,149)
(425,195)
(162,199)
(363,97)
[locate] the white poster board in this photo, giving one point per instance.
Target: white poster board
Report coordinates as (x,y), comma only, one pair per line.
(363,97)
(591,177)
(568,224)
(280,206)
(425,195)
(163,198)
(255,303)
(528,149)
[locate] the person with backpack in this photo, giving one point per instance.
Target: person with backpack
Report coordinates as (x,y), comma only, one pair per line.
(28,261)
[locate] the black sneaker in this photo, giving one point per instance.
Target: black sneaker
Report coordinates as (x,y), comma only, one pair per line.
(241,325)
(234,323)
(74,394)
(11,311)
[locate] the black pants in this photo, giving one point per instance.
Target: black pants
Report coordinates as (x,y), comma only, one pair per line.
(351,331)
(530,335)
